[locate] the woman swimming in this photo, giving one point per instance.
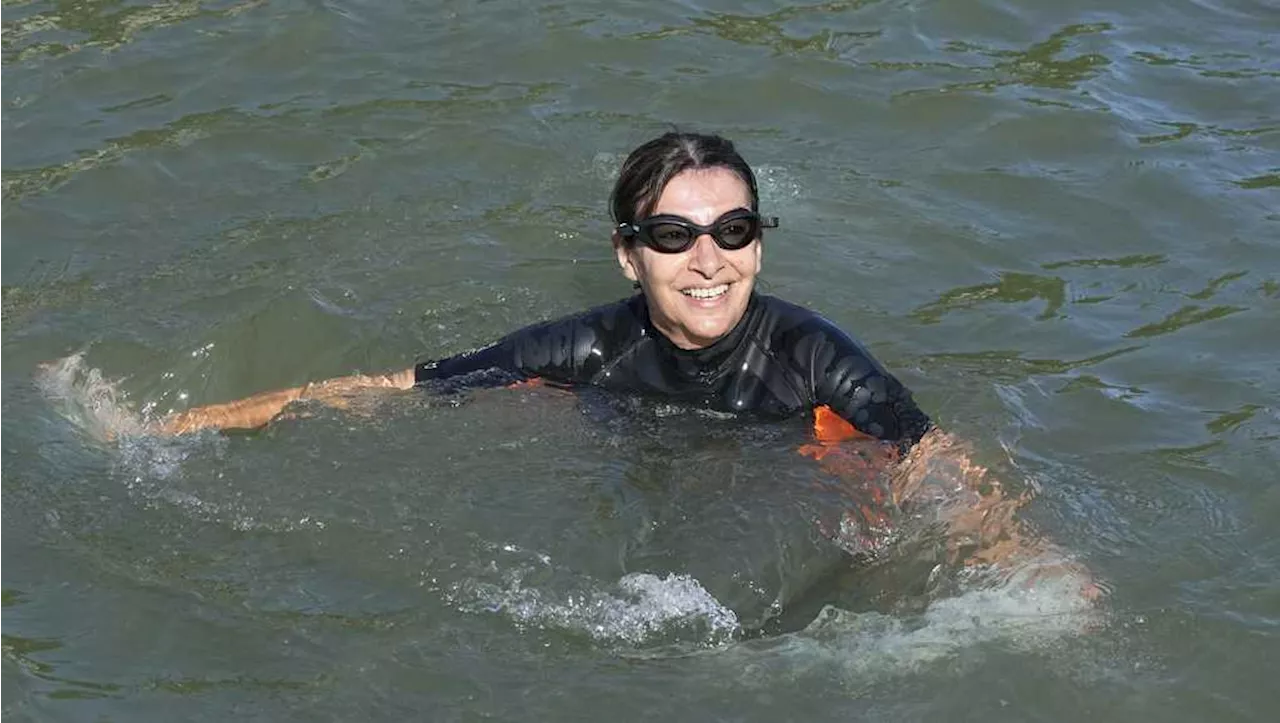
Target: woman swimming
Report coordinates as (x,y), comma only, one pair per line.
(688,232)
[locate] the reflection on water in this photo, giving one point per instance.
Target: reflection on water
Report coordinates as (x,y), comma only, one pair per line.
(1011,367)
(25,653)
(1012,288)
(1125,262)
(771,31)
(188,130)
(42,293)
(1216,65)
(1017,288)
(1266,180)
(1040,65)
(72,25)
(1183,317)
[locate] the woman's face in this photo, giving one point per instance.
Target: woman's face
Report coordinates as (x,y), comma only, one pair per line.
(698,295)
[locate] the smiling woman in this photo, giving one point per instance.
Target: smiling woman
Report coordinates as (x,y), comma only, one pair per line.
(690,236)
(697,278)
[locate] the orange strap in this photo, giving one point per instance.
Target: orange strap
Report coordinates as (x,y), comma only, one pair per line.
(829,430)
(831,427)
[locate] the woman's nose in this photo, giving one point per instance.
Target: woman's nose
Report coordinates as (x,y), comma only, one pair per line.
(705,258)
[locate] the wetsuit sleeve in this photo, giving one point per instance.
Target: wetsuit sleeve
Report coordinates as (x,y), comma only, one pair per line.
(846,378)
(561,351)
(491,366)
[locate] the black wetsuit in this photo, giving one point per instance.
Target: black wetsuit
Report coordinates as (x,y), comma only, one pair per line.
(780,360)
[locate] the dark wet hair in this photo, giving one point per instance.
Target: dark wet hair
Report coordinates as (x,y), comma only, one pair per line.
(649,169)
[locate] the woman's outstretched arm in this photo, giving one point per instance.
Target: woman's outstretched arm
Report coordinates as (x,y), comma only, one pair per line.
(937,480)
(981,517)
(257,410)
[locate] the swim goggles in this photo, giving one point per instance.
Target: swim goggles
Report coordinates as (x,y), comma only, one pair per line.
(670,234)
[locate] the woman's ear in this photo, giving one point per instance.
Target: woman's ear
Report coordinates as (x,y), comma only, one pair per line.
(625,261)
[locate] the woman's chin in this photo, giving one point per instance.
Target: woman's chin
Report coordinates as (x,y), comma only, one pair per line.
(705,332)
(696,323)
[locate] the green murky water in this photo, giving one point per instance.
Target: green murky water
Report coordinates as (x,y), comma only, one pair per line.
(1058,222)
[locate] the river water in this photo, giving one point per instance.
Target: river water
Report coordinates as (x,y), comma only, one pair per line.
(1058,222)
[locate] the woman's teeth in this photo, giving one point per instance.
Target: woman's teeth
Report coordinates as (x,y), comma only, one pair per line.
(710,293)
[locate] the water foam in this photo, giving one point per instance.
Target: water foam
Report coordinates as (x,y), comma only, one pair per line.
(1023,613)
(642,609)
(98,407)
(150,463)
(87,399)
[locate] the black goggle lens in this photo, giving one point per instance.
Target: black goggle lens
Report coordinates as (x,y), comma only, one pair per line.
(672,234)
(676,237)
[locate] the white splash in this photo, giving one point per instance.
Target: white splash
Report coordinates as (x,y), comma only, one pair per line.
(646,609)
(87,399)
(1024,613)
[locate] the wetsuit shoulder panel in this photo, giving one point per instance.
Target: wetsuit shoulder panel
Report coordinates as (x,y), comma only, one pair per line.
(841,373)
